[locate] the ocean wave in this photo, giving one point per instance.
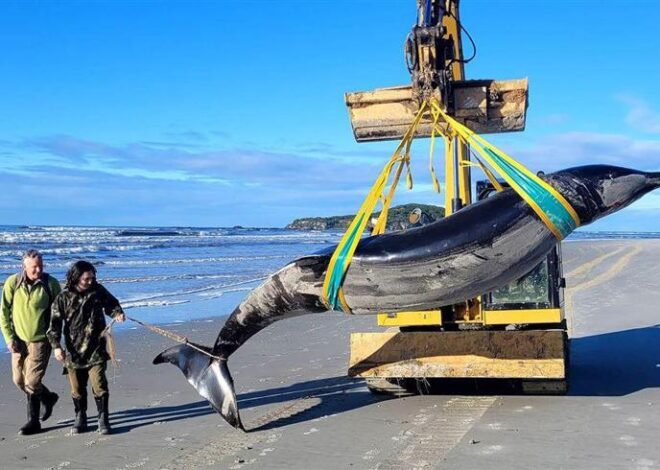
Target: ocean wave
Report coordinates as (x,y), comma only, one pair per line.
(45,238)
(175,277)
(197,290)
(71,250)
(67,228)
(66,245)
(585,235)
(152,303)
(84,232)
(122,263)
(218,259)
(220,293)
(62,242)
(154,233)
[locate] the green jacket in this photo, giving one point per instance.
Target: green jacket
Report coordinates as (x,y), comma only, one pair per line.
(25,311)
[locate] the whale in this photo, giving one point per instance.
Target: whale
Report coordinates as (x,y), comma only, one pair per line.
(477,249)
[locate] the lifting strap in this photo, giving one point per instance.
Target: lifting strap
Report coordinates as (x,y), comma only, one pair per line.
(341,258)
(434,178)
(552,208)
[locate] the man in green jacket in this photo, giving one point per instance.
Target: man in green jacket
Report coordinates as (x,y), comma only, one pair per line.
(24,319)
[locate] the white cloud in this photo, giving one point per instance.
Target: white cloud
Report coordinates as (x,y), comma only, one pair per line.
(275,169)
(640,115)
(275,185)
(558,151)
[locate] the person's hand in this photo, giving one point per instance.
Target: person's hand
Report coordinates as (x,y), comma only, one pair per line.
(13,347)
(120,318)
(60,355)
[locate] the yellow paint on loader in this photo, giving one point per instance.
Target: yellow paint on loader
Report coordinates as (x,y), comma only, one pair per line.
(538,354)
(485,106)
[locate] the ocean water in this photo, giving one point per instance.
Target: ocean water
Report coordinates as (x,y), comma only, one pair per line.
(177,274)
(168,274)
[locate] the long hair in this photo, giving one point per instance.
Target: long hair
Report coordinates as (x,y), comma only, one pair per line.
(76,271)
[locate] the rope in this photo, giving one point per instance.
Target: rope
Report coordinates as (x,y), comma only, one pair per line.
(110,341)
(173,336)
(341,258)
(107,332)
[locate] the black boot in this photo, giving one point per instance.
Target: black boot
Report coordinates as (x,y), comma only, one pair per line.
(80,424)
(102,407)
(33,425)
(48,400)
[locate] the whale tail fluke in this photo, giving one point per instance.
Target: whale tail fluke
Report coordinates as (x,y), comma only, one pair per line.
(210,377)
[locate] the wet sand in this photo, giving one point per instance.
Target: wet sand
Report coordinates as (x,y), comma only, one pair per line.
(303,412)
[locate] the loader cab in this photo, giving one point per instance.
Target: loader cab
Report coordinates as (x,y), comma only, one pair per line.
(516,332)
(535,298)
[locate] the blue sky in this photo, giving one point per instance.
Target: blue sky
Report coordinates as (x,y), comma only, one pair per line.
(232,113)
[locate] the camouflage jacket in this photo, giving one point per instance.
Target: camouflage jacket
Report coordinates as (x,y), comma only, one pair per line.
(81,317)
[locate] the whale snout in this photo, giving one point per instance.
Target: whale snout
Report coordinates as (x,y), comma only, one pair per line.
(210,377)
(654,179)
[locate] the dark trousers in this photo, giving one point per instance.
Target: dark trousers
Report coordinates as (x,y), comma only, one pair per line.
(78,379)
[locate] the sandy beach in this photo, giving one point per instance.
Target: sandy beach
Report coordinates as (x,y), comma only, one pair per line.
(303,412)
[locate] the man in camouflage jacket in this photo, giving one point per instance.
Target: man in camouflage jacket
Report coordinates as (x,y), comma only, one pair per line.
(79,312)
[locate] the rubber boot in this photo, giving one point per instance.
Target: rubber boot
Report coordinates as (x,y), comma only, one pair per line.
(48,400)
(104,417)
(80,424)
(33,425)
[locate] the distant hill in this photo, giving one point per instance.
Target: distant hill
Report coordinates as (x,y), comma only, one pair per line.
(398,218)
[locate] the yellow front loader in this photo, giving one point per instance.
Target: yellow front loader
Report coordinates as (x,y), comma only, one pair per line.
(517,333)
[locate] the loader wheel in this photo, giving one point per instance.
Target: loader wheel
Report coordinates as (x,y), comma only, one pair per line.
(391,387)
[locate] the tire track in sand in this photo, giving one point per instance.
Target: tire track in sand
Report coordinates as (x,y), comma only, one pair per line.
(233,442)
(615,269)
(583,268)
(435,432)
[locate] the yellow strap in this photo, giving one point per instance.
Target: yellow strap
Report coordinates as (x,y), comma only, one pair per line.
(352,236)
(548,223)
(469,136)
(434,178)
(409,178)
(362,217)
(381,224)
(344,304)
(489,174)
(549,188)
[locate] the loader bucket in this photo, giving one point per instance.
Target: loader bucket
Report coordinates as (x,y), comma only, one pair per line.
(485,106)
